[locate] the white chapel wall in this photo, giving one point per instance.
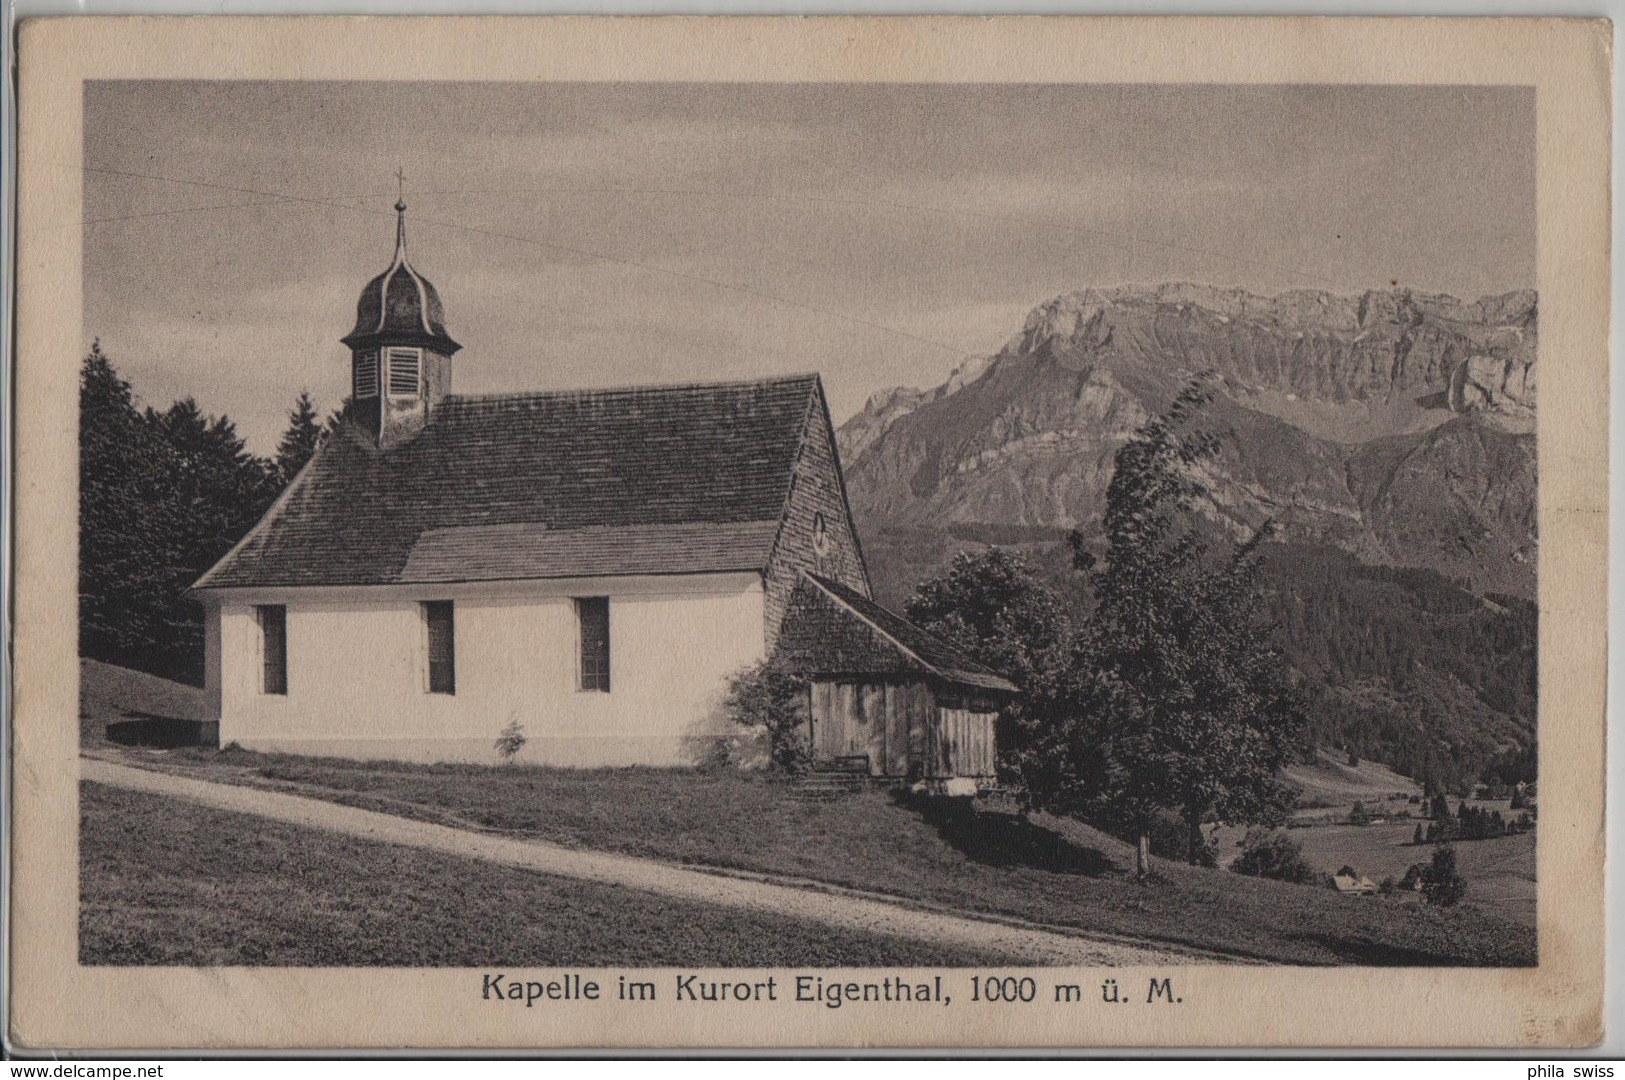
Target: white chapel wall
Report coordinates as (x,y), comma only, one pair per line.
(358,671)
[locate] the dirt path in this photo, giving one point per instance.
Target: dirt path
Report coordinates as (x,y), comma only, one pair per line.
(1021,944)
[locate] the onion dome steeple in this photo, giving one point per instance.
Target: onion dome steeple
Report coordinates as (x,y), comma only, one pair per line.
(401,304)
(400,352)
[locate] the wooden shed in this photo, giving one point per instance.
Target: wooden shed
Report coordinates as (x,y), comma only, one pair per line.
(888,697)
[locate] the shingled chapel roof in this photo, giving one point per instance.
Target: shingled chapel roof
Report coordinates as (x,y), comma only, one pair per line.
(644,480)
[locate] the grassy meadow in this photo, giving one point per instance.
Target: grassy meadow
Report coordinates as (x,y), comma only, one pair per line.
(1500,872)
(168,882)
(108,693)
(1044,870)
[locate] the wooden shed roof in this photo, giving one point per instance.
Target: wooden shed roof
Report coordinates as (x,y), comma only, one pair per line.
(934,655)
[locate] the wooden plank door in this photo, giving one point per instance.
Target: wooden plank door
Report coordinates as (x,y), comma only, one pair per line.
(828,738)
(872,712)
(921,713)
(897,713)
(854,730)
(962,744)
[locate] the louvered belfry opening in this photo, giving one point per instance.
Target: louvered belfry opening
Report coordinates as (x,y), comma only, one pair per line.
(365,370)
(400,350)
(405,372)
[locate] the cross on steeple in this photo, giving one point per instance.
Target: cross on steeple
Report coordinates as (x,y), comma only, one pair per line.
(400,213)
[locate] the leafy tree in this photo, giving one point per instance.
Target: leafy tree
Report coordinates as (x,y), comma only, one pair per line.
(993,605)
(1442,886)
(1358,815)
(1170,838)
(299,440)
(1271,853)
(1192,712)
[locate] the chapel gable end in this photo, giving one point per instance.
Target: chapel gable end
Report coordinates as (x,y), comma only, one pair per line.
(817,534)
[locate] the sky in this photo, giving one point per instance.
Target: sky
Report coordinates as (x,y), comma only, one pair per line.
(598,234)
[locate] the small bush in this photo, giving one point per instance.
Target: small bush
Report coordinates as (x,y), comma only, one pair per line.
(234,754)
(511,741)
(1442,886)
(1172,838)
(765,698)
(1273,854)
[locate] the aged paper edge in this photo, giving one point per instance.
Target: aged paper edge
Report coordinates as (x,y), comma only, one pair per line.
(57,1004)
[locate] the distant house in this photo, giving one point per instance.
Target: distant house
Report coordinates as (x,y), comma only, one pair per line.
(1353,883)
(590,564)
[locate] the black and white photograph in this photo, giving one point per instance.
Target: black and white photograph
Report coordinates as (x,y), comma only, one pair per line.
(928,529)
(1076,505)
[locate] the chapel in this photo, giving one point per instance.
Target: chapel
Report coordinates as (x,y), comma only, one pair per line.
(589,565)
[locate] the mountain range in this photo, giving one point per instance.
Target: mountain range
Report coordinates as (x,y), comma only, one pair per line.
(1388,435)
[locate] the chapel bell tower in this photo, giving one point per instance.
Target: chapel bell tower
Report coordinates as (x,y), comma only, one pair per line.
(400,353)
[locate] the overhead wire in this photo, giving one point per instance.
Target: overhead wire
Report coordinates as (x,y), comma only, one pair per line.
(421,220)
(272,198)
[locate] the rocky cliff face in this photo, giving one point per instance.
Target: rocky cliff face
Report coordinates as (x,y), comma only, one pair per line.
(1397,426)
(886,406)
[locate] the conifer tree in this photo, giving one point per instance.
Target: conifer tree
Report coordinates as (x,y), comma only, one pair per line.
(299,440)
(162,495)
(1442,885)
(126,517)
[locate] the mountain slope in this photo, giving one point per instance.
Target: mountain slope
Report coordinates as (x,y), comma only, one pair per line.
(1390,436)
(1395,427)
